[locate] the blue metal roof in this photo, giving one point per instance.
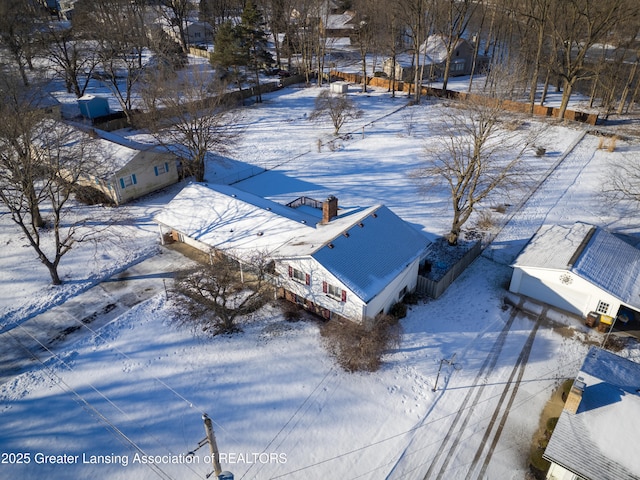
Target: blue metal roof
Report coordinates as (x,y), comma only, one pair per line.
(611,264)
(372,252)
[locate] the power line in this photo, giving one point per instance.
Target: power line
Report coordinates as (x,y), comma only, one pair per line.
(88,406)
(413,429)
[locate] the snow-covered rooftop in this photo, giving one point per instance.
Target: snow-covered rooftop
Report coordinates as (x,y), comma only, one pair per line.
(592,253)
(363,248)
(433,51)
(373,251)
(599,440)
(229,219)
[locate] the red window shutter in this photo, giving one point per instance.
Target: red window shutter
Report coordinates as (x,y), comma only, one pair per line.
(290,271)
(307,279)
(324,287)
(344,295)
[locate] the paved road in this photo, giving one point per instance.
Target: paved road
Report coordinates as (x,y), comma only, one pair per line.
(59,326)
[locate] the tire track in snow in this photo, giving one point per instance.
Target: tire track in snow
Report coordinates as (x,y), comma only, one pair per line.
(463,411)
(480,335)
(519,367)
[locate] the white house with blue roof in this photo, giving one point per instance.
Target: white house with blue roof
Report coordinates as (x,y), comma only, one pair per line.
(352,262)
(579,268)
(596,434)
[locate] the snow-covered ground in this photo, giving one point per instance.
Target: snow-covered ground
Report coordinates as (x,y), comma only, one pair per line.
(123,395)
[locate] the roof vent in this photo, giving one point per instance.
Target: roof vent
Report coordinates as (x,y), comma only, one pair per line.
(269,209)
(374,215)
(346,234)
(361,224)
(303,221)
(331,245)
(260,234)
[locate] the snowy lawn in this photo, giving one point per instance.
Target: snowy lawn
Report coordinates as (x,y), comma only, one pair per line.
(281,407)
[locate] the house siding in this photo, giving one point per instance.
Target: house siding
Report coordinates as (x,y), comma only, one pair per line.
(391,293)
(556,472)
(352,308)
(579,296)
(143,166)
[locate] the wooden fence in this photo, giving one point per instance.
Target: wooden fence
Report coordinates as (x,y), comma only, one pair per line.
(589,118)
(434,288)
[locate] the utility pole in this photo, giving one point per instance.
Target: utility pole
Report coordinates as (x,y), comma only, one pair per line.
(213,446)
(444,360)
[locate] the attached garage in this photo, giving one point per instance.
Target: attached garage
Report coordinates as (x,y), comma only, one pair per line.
(579,269)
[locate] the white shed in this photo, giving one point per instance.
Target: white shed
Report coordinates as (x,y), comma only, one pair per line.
(580,269)
(339,87)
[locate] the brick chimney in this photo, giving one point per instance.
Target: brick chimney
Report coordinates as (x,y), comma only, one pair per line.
(575,396)
(329,209)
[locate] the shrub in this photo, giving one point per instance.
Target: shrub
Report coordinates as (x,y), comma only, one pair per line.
(411,298)
(359,347)
(398,310)
(538,465)
(91,196)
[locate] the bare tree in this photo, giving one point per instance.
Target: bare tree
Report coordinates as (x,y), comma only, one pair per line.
(473,155)
(338,107)
(118,29)
(417,23)
(40,163)
(623,184)
(177,13)
(577,26)
(74,58)
(224,293)
(536,15)
(19,22)
(452,20)
(191,111)
(370,21)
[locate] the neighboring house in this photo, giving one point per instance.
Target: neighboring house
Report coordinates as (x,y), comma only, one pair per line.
(198,33)
(433,56)
(131,169)
(336,25)
(354,263)
(124,170)
(580,269)
(596,435)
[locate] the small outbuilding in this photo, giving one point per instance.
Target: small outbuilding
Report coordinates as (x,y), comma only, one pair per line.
(92,106)
(580,268)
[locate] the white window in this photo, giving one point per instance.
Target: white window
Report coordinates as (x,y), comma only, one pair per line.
(334,292)
(299,276)
(161,169)
(603,307)
(128,181)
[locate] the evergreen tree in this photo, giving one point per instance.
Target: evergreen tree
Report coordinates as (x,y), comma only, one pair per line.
(228,53)
(254,42)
